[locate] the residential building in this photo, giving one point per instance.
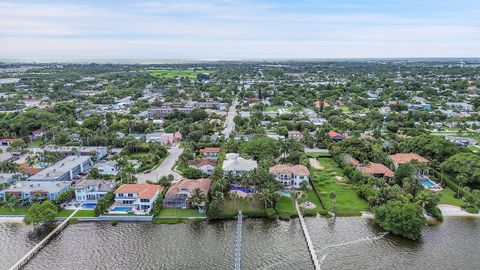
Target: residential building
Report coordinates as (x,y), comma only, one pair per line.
(377,170)
(210,152)
(159,113)
(107,167)
(290,175)
(461,106)
(161,137)
(335,136)
(7,142)
(64,170)
(97,153)
(9,178)
(38,134)
(296,135)
(236,165)
(402,158)
(30,191)
(89,191)
(140,197)
(179,194)
(206,165)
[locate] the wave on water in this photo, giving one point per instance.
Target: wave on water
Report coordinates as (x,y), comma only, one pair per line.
(366,239)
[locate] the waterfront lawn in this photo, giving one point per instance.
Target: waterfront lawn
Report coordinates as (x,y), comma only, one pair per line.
(180,213)
(448,197)
(285,206)
(255,210)
(331,178)
(81,213)
(17,210)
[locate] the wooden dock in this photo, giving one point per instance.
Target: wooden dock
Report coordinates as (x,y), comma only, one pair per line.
(313,255)
(30,254)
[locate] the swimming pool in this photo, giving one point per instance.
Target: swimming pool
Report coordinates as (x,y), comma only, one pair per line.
(89,206)
(121,209)
(286,193)
(243,189)
(428,183)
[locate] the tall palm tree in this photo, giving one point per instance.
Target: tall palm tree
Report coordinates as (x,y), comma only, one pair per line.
(234,196)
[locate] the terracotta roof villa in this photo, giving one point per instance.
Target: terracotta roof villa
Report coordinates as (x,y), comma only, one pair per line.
(179,194)
(290,175)
(336,137)
(402,158)
(377,170)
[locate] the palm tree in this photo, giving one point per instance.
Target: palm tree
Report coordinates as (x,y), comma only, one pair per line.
(197,198)
(333,196)
(11,201)
(476,194)
(250,200)
(462,180)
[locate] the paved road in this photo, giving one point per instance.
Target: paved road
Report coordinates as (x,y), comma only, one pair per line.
(164,169)
(229,124)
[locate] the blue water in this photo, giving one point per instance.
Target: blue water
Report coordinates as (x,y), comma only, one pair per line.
(244,189)
(89,206)
(427,183)
(285,193)
(121,209)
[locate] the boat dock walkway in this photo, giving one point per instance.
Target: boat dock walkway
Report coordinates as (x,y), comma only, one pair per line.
(238,241)
(307,238)
(24,260)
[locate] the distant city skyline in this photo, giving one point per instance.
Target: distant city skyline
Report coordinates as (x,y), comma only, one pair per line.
(233,30)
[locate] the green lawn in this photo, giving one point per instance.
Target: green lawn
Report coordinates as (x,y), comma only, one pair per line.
(80,213)
(180,213)
(256,209)
(448,197)
(17,210)
(285,206)
(331,178)
(174,73)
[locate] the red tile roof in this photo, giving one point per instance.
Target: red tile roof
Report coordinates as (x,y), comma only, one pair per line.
(325,104)
(333,134)
(9,140)
(28,169)
(376,168)
(202,162)
(210,150)
(402,158)
(287,169)
(144,191)
(190,185)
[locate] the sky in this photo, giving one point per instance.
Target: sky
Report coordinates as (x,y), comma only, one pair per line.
(236,30)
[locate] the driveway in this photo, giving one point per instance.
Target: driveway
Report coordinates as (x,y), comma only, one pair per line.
(163,169)
(229,124)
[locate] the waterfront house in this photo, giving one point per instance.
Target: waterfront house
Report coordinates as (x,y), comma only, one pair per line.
(9,178)
(210,152)
(138,198)
(236,165)
(89,191)
(402,158)
(64,170)
(377,170)
(36,191)
(178,195)
(206,165)
(290,175)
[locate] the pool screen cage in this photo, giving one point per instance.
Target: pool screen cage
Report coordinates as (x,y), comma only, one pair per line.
(176,200)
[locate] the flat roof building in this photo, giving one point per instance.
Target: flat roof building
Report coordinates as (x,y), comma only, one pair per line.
(64,170)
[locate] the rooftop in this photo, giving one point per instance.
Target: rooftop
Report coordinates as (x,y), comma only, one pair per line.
(402,158)
(144,191)
(190,185)
(103,185)
(290,169)
(47,186)
(376,168)
(60,168)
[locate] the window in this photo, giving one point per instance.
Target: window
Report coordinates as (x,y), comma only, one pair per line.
(145,200)
(130,195)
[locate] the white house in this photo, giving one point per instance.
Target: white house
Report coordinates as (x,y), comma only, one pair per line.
(136,198)
(290,175)
(206,165)
(27,190)
(107,167)
(89,191)
(236,165)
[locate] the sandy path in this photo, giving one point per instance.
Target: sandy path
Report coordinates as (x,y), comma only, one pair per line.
(315,164)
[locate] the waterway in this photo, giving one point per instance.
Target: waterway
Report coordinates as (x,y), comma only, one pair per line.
(347,243)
